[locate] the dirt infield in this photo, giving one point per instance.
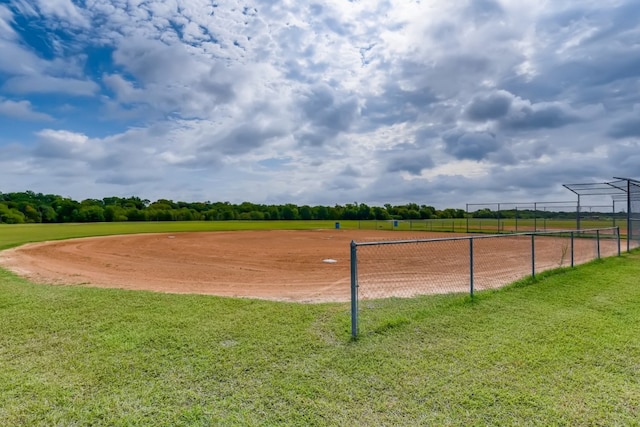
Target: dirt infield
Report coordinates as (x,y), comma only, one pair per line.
(278,265)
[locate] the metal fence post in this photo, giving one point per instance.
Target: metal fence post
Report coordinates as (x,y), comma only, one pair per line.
(533,256)
(467,215)
(354,289)
(572,249)
(598,242)
(471,267)
(618,235)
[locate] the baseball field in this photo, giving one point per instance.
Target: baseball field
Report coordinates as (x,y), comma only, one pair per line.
(100,348)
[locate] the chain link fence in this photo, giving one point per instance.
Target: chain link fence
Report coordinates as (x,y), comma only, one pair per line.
(408,268)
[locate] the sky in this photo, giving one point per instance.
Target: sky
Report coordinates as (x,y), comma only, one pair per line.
(432,102)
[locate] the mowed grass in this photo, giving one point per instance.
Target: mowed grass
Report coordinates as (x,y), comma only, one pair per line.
(17,234)
(561,350)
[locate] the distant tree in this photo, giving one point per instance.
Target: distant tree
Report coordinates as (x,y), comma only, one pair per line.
(305,212)
(380,213)
(115,213)
(427,212)
(412,214)
(364,212)
(66,209)
(228,214)
(31,214)
(256,215)
(9,215)
(92,213)
(274,213)
(163,204)
(48,214)
(321,212)
(134,214)
(289,212)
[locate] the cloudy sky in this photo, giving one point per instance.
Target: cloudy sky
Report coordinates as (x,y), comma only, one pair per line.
(435,102)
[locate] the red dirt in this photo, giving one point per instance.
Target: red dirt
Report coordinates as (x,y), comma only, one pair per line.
(278,265)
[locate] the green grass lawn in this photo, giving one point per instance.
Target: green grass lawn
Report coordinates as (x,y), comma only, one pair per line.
(17,234)
(563,350)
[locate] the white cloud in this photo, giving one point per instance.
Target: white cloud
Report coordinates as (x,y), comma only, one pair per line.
(6,18)
(49,84)
(63,10)
(22,110)
(435,100)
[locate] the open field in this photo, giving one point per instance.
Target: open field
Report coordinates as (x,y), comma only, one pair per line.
(13,235)
(559,350)
(18,234)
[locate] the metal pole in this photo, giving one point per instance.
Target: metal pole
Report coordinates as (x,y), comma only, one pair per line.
(533,256)
(471,267)
(572,263)
(578,214)
(467,210)
(498,218)
(598,242)
(535,216)
(618,232)
(516,219)
(354,290)
(629,232)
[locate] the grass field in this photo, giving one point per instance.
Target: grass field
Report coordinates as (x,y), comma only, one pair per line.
(14,235)
(562,350)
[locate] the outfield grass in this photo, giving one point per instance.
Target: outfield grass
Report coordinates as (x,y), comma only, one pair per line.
(17,234)
(562,350)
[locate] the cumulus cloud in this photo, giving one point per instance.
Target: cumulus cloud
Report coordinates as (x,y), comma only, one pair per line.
(375,102)
(60,144)
(470,145)
(49,84)
(22,110)
(514,113)
(413,163)
(626,127)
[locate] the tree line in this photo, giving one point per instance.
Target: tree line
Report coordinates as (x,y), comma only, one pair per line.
(30,207)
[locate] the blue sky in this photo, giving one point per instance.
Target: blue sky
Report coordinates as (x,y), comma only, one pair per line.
(434,102)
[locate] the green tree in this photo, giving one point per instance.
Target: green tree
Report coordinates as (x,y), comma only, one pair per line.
(66,209)
(321,212)
(289,212)
(91,213)
(115,213)
(364,212)
(31,214)
(380,213)
(306,213)
(48,214)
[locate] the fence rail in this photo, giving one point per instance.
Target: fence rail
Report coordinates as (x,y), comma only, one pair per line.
(408,268)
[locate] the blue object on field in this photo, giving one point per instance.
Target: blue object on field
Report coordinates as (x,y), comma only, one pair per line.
(337,225)
(395,223)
